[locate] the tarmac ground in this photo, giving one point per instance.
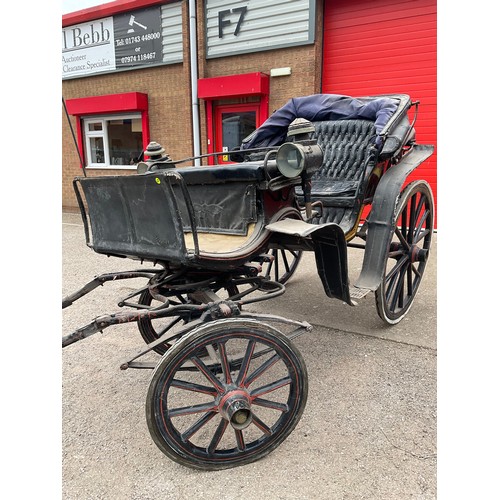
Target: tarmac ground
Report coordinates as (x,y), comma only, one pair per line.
(368,430)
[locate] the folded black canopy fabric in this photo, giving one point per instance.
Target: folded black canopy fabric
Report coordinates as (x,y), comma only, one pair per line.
(320,107)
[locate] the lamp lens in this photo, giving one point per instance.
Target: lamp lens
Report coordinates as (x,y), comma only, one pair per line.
(290,160)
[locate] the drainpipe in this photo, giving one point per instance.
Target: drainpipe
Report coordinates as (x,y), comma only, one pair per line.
(193,56)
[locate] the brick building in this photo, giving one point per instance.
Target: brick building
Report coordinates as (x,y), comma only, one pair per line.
(136,71)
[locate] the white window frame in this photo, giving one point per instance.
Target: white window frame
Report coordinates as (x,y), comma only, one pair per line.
(88,134)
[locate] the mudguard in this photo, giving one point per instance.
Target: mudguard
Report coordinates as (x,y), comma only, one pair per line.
(330,250)
(380,224)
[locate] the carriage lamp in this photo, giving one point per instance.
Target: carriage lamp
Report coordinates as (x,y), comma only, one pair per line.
(304,158)
(294,159)
(300,130)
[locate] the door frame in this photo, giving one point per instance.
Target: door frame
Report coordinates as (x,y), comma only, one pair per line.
(231,87)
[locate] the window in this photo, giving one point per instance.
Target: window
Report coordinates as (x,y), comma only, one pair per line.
(113,140)
(112,130)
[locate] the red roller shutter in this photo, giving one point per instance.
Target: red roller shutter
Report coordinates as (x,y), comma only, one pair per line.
(382,47)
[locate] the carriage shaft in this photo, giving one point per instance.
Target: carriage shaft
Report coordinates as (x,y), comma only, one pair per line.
(103,278)
(102,322)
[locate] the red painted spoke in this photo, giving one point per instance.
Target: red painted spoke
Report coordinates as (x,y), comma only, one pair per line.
(208,374)
(189,410)
(224,362)
(190,386)
(273,405)
(240,441)
(221,428)
(265,389)
(261,425)
(245,363)
(262,368)
(198,425)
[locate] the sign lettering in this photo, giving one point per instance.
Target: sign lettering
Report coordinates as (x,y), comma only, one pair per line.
(226,22)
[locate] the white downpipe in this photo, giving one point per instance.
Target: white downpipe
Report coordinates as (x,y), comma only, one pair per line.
(193,56)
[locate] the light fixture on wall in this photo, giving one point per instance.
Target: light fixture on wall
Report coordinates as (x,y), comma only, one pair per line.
(281,71)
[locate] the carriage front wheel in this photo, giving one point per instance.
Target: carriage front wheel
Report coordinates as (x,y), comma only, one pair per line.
(233,407)
(407,253)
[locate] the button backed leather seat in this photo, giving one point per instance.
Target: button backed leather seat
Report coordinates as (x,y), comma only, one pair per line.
(348,152)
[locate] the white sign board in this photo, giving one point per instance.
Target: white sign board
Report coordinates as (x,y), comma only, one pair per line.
(88,48)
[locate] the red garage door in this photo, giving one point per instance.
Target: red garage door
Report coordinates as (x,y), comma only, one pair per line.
(383,47)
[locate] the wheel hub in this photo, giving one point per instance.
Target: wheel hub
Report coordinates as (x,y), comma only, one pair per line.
(415,253)
(234,406)
(418,254)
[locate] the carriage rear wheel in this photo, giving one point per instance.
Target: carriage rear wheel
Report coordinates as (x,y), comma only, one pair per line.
(232,408)
(408,252)
(284,262)
(152,329)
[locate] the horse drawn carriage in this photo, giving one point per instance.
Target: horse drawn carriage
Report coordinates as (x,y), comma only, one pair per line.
(323,173)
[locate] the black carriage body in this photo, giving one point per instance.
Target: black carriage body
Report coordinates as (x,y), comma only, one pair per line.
(212,218)
(221,217)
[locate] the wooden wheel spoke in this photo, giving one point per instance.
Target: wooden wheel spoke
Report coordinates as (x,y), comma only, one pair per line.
(208,374)
(266,389)
(416,271)
(419,234)
(411,225)
(189,410)
(261,425)
(190,386)
(240,440)
(285,261)
(273,405)
(168,326)
(219,432)
(402,238)
(198,425)
(399,290)
(262,369)
(245,363)
(409,280)
(224,362)
(397,268)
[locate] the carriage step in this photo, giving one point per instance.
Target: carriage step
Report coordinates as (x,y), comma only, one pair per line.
(358,293)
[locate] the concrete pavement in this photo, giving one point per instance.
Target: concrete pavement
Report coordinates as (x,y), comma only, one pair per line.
(368,430)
